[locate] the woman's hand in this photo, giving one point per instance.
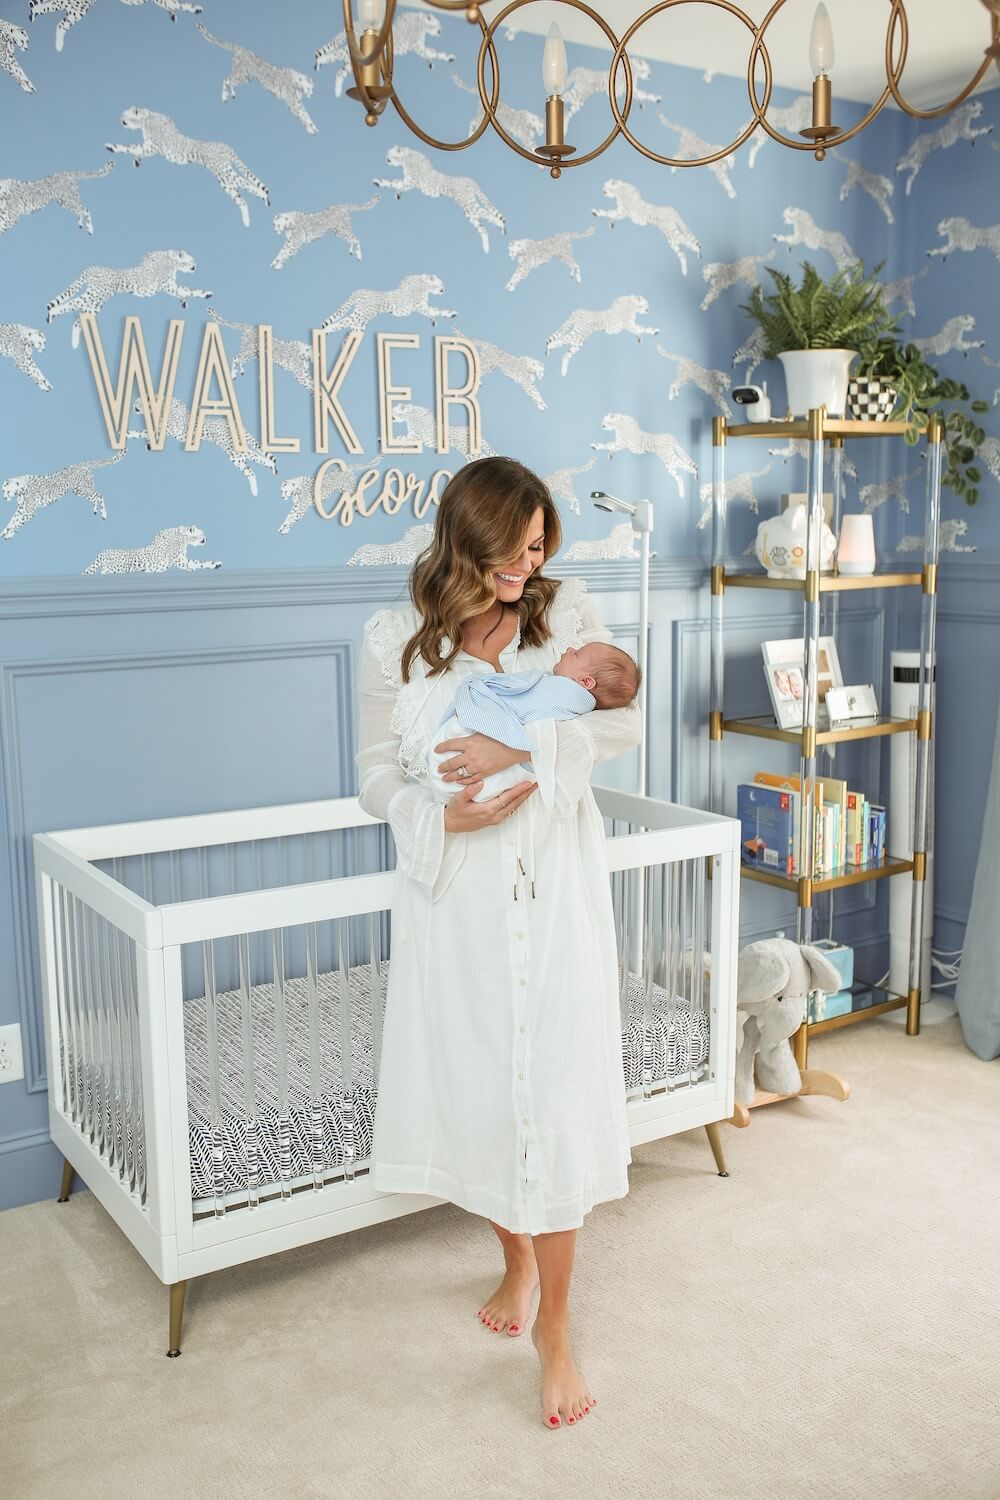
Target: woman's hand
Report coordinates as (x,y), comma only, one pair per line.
(480,756)
(462,815)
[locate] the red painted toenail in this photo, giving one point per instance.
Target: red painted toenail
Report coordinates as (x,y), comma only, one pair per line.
(513,1328)
(571,1420)
(554,1421)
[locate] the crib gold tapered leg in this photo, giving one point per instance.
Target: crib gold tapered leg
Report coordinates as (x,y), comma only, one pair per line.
(177,1292)
(715,1141)
(66,1186)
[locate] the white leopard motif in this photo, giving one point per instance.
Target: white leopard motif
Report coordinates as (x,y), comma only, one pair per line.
(286,84)
(301,229)
(522,369)
(959,234)
(288,354)
(398,554)
(14,39)
(17,341)
(631,205)
(530,254)
(339,479)
(157,272)
(715,383)
(901,290)
(422,428)
(789,119)
(73,11)
(168,549)
(874,495)
(721,275)
(691,146)
(618,544)
(951,337)
(560,484)
(878,187)
(18,199)
(215,430)
(994,364)
(799,448)
(989,452)
(751,353)
(629,438)
(583,84)
(740,487)
(523,125)
(411,296)
(805,231)
(419,173)
(34,491)
(160,137)
(621,317)
(957,127)
(948,534)
(410,30)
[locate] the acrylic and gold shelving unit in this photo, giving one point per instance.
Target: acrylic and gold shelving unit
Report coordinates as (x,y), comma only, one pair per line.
(820,596)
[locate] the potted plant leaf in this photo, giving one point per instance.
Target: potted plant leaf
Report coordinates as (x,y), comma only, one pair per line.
(817,328)
(919,389)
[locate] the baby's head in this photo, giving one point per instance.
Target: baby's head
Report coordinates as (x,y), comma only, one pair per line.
(606,671)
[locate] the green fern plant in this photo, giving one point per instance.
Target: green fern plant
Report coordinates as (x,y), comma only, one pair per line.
(846,312)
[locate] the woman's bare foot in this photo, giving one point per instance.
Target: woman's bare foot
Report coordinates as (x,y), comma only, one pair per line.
(565,1393)
(507,1310)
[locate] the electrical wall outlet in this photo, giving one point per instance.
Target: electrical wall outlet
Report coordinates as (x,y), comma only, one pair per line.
(11,1056)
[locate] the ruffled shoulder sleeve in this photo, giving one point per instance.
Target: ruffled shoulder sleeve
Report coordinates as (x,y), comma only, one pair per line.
(570,615)
(387,632)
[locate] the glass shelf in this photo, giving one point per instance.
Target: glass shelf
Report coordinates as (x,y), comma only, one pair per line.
(850,875)
(765,726)
(867,1000)
(829,583)
(842,427)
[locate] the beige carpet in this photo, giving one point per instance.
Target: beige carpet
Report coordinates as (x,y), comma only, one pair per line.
(824,1322)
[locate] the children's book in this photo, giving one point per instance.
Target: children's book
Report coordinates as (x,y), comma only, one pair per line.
(766,823)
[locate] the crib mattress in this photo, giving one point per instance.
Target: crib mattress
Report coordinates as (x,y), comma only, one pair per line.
(676,1053)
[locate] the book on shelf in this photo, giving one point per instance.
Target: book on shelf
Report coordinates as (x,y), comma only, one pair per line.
(848,831)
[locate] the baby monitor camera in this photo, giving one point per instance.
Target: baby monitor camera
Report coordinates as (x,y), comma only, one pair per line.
(754,400)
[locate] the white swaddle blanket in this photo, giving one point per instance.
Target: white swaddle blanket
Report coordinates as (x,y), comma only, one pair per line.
(499,704)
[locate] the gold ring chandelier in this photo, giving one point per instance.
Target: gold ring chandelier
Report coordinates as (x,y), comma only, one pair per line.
(370,48)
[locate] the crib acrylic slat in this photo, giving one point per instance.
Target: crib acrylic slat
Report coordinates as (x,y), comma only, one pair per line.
(214,1083)
(347,1097)
(71,1052)
(94,1030)
(377,991)
(139,1105)
(125,1057)
(116,1123)
(697,959)
(250,1119)
(645,876)
(315,1068)
(281,1060)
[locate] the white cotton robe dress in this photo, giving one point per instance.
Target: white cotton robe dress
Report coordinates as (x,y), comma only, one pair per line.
(501,1086)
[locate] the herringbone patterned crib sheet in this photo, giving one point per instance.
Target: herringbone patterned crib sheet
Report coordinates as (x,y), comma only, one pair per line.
(679,1048)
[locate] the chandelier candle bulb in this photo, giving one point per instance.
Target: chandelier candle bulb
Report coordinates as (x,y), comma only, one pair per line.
(821,43)
(554,62)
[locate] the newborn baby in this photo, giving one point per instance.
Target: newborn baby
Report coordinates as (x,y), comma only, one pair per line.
(499,704)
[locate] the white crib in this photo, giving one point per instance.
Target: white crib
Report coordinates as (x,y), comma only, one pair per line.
(200,975)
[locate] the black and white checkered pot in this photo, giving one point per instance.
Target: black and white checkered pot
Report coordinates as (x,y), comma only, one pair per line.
(871,400)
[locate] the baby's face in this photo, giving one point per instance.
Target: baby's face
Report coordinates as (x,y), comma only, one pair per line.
(580,663)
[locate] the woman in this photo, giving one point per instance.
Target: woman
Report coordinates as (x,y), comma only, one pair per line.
(501,1085)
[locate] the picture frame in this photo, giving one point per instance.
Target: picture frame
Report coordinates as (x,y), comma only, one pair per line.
(784,668)
(851,705)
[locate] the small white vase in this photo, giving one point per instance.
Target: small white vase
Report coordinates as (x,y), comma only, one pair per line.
(817,377)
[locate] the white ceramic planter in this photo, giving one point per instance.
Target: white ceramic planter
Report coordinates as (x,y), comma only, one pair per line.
(817,377)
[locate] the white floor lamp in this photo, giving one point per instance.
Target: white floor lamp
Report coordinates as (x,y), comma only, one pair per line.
(641,515)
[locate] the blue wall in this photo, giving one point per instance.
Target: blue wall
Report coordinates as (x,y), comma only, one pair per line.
(170,691)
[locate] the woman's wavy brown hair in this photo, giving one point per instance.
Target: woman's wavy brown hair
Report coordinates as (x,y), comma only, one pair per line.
(482,521)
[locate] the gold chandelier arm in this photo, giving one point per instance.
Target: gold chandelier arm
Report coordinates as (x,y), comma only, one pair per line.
(734,145)
(488,105)
(565,161)
(898,16)
(361,60)
(841,135)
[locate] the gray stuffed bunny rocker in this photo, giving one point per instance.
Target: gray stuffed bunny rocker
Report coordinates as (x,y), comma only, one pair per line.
(773,980)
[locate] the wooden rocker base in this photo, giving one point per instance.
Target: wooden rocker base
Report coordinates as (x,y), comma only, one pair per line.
(814,1081)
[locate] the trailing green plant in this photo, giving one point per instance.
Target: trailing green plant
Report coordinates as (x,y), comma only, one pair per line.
(920,390)
(845,312)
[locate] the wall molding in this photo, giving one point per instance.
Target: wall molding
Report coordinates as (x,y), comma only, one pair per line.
(19,849)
